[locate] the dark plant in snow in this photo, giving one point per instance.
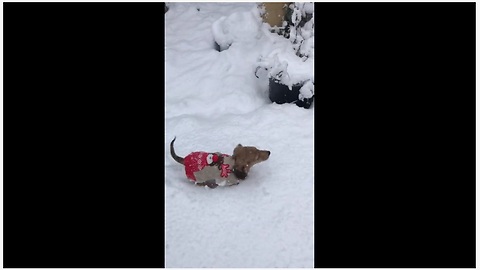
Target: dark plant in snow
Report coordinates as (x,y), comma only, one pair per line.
(299,28)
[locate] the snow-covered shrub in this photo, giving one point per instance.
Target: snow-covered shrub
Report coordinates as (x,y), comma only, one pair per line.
(299,28)
(276,69)
(285,67)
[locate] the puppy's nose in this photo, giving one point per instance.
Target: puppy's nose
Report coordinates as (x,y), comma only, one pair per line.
(268,153)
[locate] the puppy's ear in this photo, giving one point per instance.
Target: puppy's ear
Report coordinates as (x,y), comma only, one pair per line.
(238,147)
(235,151)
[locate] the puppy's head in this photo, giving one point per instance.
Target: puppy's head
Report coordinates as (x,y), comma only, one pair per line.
(245,157)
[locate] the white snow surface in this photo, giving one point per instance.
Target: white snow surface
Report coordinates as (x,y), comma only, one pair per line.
(213,101)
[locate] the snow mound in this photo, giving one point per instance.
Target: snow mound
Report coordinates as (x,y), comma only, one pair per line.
(306,91)
(238,27)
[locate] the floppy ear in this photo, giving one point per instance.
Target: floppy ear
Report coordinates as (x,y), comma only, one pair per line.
(238,147)
(236,150)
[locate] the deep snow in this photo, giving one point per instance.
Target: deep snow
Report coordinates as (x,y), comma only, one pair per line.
(213,101)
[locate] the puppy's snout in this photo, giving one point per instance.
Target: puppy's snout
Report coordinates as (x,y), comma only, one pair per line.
(240,174)
(268,153)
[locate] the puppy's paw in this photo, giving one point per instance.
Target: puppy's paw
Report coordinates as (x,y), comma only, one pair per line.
(212,186)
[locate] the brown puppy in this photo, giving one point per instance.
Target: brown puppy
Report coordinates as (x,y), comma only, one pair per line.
(214,169)
(245,157)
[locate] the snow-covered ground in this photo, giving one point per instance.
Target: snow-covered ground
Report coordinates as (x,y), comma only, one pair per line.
(213,101)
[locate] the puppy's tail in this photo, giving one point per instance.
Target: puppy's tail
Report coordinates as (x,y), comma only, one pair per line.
(172,151)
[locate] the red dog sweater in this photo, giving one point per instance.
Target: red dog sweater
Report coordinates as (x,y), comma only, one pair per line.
(197,161)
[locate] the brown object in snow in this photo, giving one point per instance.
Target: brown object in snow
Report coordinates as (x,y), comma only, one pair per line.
(275,13)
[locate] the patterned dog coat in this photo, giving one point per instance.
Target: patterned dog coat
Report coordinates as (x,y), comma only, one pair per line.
(201,167)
